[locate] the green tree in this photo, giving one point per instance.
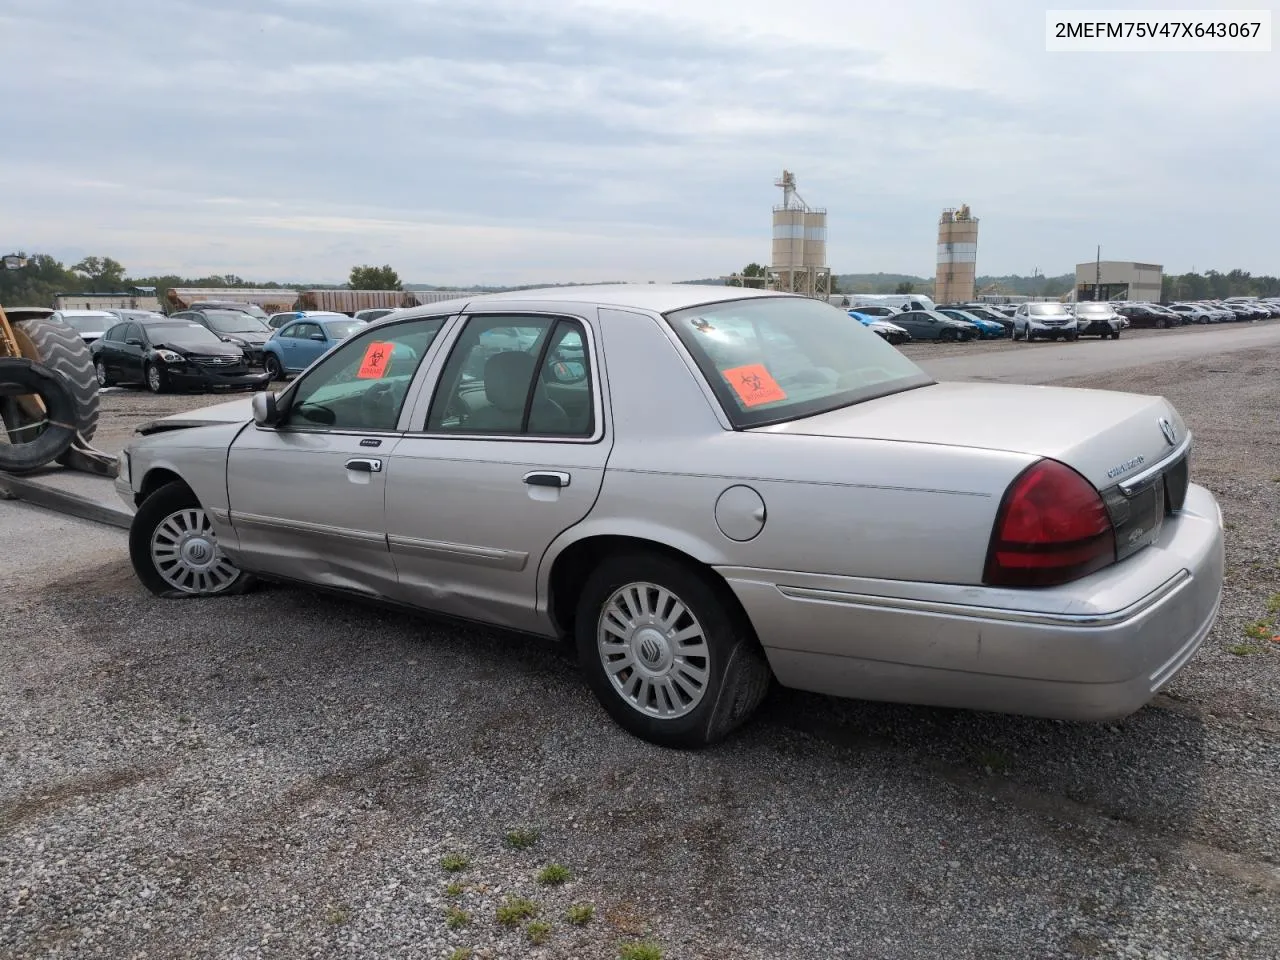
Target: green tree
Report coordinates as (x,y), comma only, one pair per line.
(906,287)
(374,278)
(104,274)
(753,270)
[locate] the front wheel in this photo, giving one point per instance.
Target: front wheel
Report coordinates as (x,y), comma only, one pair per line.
(174,548)
(157,382)
(666,652)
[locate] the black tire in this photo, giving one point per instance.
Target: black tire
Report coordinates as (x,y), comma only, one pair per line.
(61,349)
(738,674)
(19,377)
(271,363)
(157,384)
(1115,334)
(947,336)
(100,372)
(173,498)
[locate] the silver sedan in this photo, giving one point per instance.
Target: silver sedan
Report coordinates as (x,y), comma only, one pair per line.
(706,490)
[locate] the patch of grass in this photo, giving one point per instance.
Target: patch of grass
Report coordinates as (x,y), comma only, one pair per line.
(462,953)
(1273,604)
(455,889)
(640,950)
(1259,630)
(454,862)
(993,760)
(538,931)
(580,914)
(553,874)
(515,909)
(337,916)
(1244,649)
(456,919)
(522,838)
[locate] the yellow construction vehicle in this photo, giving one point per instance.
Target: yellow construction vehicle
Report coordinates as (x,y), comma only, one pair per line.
(48,395)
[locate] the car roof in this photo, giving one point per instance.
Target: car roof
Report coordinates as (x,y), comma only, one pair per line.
(86,313)
(656,297)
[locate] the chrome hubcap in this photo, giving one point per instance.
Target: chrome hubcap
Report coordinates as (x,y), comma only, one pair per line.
(185,552)
(653,650)
(101,372)
(153,378)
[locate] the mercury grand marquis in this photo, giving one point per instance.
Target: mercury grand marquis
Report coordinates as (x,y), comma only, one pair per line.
(706,490)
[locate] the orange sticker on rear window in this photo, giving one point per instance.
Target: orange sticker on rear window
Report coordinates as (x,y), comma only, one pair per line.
(374,364)
(754,385)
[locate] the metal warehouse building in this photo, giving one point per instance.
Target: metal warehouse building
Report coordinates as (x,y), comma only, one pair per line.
(1118,280)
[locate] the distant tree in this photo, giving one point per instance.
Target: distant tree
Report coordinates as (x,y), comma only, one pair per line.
(103,273)
(906,287)
(753,270)
(374,278)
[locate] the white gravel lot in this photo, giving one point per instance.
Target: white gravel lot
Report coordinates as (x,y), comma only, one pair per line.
(279,775)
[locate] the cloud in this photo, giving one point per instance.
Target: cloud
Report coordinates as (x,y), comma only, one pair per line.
(614,139)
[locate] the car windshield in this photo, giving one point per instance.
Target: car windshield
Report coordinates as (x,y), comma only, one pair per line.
(1048,310)
(232,321)
(1096,308)
(780,358)
(88,322)
(964,315)
(341,329)
(180,334)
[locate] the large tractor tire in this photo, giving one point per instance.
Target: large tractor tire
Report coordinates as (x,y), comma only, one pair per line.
(59,347)
(34,439)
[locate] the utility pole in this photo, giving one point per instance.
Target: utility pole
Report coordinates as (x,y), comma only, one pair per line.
(1097,275)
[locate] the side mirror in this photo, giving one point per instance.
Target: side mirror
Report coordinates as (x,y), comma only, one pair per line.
(319,336)
(133,342)
(265,411)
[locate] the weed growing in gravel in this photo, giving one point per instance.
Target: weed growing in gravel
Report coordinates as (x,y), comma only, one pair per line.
(454,863)
(1244,649)
(1259,630)
(337,916)
(646,950)
(456,919)
(580,914)
(1273,604)
(538,931)
(515,909)
(993,760)
(454,889)
(522,838)
(462,953)
(553,874)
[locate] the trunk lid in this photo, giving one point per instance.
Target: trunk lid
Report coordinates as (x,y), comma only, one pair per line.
(1104,435)
(1112,439)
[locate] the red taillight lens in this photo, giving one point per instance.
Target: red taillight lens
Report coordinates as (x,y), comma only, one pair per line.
(1052,528)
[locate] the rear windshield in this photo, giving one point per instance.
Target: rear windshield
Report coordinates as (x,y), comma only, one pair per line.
(780,358)
(1048,310)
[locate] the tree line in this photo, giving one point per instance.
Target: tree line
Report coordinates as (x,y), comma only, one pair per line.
(43,277)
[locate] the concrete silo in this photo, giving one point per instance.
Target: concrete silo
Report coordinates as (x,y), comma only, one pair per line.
(799,261)
(957,256)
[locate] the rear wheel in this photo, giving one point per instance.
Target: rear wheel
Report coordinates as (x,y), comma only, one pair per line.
(175,551)
(100,372)
(59,347)
(666,652)
(273,366)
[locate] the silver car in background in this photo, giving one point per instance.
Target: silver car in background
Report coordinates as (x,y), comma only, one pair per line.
(706,490)
(1051,321)
(1098,319)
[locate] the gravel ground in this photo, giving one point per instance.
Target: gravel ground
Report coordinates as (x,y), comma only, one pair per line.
(280,775)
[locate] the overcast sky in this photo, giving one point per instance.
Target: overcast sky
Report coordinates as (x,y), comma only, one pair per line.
(579,140)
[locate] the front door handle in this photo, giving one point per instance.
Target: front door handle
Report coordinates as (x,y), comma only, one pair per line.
(546,478)
(364,465)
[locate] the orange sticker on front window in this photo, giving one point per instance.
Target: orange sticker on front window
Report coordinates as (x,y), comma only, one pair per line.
(374,364)
(754,385)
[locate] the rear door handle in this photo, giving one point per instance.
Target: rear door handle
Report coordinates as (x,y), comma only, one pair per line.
(364,465)
(546,478)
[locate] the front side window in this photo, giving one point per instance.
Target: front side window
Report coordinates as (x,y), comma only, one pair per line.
(780,358)
(362,384)
(516,376)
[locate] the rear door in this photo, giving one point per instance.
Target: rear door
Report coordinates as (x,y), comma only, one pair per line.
(508,451)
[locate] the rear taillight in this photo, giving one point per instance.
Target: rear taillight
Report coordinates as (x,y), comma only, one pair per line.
(1052,528)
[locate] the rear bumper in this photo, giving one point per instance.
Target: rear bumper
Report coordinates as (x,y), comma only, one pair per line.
(1095,649)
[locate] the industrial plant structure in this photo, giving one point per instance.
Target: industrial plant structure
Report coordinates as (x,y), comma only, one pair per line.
(799,258)
(957,256)
(1119,280)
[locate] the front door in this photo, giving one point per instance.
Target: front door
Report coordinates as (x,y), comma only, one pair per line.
(307,496)
(511,453)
